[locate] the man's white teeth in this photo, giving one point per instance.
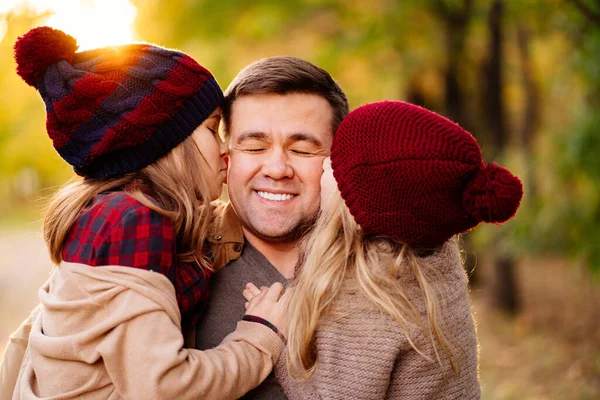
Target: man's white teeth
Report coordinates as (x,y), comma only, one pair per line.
(275,196)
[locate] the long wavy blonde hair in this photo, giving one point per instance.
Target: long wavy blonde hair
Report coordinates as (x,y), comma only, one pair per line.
(175,186)
(337,250)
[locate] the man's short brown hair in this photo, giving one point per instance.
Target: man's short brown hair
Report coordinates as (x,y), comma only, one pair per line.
(285,75)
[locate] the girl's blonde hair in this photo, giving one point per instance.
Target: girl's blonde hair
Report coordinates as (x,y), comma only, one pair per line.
(175,186)
(337,250)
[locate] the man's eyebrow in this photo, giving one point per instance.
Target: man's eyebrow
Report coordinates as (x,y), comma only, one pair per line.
(252,135)
(305,137)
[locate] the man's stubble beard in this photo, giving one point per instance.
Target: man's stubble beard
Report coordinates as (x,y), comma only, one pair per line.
(295,234)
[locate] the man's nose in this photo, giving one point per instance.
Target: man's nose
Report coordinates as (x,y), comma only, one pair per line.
(277,165)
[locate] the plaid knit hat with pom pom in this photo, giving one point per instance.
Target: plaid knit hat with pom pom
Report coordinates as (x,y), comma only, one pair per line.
(115,110)
(412,175)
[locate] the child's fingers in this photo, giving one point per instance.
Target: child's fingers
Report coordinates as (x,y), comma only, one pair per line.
(246,305)
(248,295)
(252,288)
(275,291)
(256,300)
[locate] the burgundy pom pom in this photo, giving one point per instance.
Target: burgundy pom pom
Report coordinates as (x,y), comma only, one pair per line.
(38,49)
(493,194)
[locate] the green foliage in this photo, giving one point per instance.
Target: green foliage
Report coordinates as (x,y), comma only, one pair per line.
(579,174)
(578,166)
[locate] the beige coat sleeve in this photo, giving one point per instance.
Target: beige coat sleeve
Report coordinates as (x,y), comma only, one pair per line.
(145,359)
(13,356)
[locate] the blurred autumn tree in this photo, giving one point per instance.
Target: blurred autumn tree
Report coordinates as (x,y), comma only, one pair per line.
(27,160)
(523,77)
(577,191)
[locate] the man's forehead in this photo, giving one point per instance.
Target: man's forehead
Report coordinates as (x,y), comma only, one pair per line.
(293,102)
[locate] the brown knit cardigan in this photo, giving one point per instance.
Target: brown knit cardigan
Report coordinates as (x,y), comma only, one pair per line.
(365,355)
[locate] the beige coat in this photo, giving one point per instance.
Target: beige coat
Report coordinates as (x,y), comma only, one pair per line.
(114,332)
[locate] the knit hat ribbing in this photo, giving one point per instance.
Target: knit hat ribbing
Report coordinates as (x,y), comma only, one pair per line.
(115,110)
(410,174)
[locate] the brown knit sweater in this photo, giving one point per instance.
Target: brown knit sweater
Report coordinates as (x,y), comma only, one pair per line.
(365,355)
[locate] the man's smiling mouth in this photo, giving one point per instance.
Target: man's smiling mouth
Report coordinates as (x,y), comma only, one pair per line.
(274,196)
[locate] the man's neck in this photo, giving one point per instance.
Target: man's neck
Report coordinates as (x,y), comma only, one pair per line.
(282,255)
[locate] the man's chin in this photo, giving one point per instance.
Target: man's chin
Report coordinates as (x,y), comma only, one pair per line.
(277,237)
(289,235)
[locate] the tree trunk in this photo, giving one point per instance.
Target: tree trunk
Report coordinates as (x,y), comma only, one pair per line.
(505,293)
(493,88)
(505,286)
(531,118)
(456,22)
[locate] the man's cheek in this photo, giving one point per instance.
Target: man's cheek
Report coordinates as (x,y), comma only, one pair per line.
(312,173)
(237,164)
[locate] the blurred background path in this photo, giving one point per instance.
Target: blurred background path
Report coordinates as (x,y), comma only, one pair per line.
(24,267)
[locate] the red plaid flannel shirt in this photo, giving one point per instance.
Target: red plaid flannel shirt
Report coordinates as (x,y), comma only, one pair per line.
(116,229)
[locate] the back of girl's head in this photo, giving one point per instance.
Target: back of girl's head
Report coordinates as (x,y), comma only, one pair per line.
(116,114)
(417,177)
(176,185)
(408,180)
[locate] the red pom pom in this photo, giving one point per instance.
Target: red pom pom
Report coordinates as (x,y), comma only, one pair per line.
(38,49)
(493,194)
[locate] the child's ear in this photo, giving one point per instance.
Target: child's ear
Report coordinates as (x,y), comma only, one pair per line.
(326,163)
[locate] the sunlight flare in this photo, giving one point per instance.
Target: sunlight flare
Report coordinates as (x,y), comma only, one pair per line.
(94,23)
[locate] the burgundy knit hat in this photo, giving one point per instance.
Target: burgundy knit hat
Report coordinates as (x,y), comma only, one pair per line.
(410,174)
(115,110)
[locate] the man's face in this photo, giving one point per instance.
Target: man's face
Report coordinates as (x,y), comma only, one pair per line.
(277,143)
